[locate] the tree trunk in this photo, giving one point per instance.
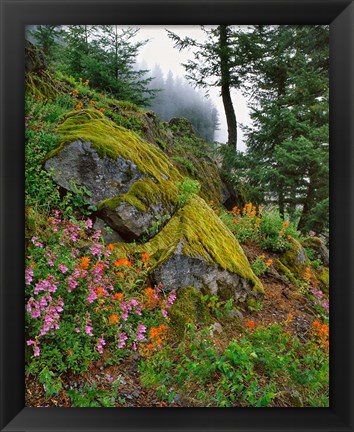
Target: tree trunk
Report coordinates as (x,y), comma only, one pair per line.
(225,88)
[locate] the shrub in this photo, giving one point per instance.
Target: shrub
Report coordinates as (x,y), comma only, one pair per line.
(81,300)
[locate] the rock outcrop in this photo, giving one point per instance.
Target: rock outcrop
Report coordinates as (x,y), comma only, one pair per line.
(131,182)
(196,249)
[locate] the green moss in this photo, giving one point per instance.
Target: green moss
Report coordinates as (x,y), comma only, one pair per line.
(142,194)
(323,277)
(41,85)
(286,272)
(113,141)
(312,242)
(188,308)
(291,259)
(202,235)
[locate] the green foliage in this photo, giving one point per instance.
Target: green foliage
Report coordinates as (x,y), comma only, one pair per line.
(263,226)
(70,317)
(52,385)
(186,163)
(254,371)
(91,396)
(186,189)
(259,266)
(287,145)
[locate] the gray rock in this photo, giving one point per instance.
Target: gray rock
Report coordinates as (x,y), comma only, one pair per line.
(319,248)
(108,235)
(198,273)
(79,164)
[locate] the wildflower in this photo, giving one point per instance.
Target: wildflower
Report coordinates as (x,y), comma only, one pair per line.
(36,242)
(84,262)
(118,297)
(37,351)
(250,324)
(75,92)
(113,319)
(290,317)
(164,313)
(79,105)
(28,275)
(122,262)
(93,103)
(88,330)
(122,338)
(140,332)
(63,268)
(101,109)
(234,221)
(289,237)
(262,256)
(110,247)
(89,223)
(100,344)
(258,220)
(269,262)
(286,224)
(145,258)
(87,81)
(100,292)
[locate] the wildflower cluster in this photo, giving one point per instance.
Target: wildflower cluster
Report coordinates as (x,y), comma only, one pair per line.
(320,333)
(77,304)
(260,265)
(259,225)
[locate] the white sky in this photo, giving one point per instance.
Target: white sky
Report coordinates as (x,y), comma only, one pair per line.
(159,50)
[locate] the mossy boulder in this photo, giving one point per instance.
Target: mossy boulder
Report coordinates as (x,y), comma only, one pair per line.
(188,309)
(295,259)
(195,249)
(132,182)
(318,249)
(322,275)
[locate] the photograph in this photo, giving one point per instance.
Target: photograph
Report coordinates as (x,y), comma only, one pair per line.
(177,229)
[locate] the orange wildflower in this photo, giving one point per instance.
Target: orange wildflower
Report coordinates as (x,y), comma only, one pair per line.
(290,316)
(250,324)
(269,262)
(120,274)
(289,237)
(258,220)
(145,257)
(93,102)
(122,262)
(234,221)
(151,298)
(75,92)
(110,246)
(101,109)
(84,262)
(113,319)
(286,224)
(118,296)
(79,105)
(100,292)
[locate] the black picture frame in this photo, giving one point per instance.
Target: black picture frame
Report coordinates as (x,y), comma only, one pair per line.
(14,16)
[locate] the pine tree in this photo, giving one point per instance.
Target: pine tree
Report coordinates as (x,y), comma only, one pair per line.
(287,156)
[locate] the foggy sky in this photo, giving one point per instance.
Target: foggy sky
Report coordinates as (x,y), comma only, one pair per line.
(159,50)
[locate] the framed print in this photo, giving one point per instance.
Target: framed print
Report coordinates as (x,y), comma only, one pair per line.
(174,191)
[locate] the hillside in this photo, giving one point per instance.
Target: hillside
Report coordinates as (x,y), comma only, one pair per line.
(142,287)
